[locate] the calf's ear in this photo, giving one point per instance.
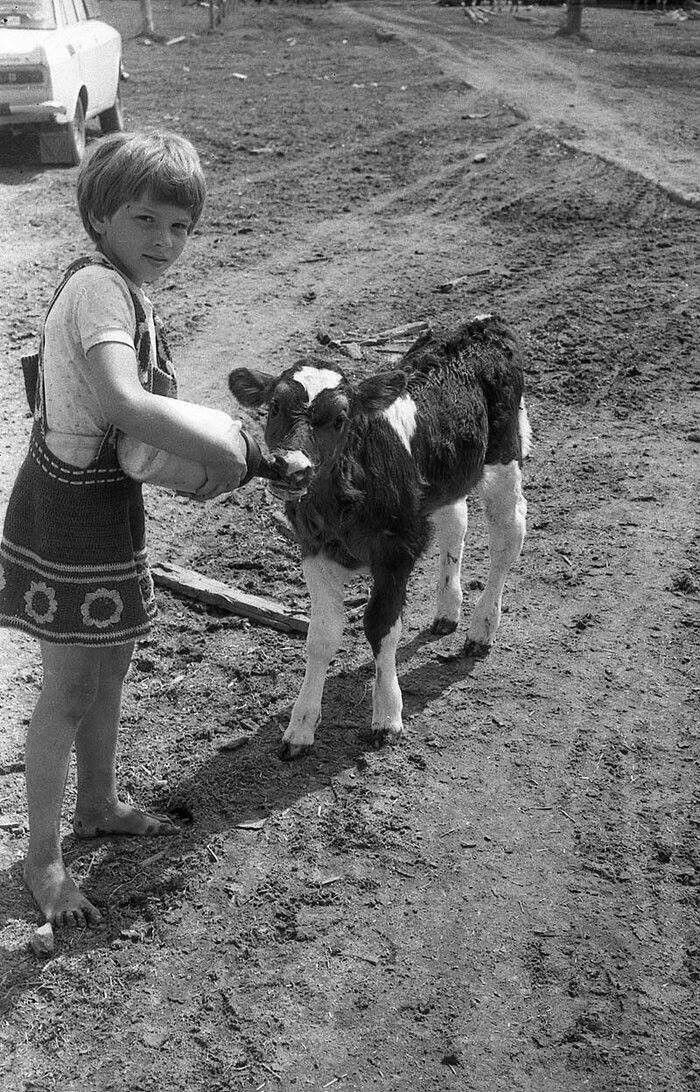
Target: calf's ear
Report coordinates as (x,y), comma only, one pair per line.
(250,387)
(378,392)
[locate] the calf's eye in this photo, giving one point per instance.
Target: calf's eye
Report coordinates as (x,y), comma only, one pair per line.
(274,408)
(339,421)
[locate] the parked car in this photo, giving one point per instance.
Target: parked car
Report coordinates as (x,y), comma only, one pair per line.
(59,66)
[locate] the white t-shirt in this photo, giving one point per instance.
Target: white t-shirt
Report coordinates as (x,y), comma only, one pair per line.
(93,307)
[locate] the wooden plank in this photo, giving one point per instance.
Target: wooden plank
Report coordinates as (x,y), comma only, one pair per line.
(267,612)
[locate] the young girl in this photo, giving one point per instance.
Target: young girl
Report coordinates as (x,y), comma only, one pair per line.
(73,565)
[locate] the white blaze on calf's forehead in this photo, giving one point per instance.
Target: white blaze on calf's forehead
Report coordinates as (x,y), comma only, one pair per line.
(401,415)
(315,380)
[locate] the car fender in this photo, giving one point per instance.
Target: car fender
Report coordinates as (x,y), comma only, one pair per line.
(61,61)
(110,50)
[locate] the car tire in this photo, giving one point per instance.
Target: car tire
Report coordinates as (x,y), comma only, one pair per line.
(76,136)
(112,120)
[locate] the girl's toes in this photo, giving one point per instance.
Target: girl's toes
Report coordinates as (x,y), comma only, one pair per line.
(160,824)
(123,820)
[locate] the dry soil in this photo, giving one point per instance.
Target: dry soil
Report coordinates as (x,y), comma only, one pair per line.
(506,900)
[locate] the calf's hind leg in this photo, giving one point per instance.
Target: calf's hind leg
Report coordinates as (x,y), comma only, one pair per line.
(505,510)
(451,524)
(325,580)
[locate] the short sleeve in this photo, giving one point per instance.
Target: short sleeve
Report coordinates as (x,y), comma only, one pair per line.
(102,308)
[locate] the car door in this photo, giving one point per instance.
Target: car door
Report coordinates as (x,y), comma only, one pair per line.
(107,44)
(63,60)
(83,42)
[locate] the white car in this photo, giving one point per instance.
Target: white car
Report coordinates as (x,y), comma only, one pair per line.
(59,66)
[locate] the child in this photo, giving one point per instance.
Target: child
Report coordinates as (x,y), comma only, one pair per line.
(73,565)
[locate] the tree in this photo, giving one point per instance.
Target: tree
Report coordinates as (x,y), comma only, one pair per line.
(147,15)
(572,26)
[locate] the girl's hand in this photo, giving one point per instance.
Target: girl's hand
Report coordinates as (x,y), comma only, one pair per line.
(224,480)
(217,482)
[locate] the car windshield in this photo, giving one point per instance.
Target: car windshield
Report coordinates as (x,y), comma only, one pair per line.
(37,14)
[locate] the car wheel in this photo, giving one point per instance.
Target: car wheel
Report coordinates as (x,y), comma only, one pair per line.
(112,120)
(76,138)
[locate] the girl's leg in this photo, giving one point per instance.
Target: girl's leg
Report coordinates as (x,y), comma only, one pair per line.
(98,809)
(70,683)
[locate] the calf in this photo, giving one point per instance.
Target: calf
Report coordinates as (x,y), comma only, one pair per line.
(393,455)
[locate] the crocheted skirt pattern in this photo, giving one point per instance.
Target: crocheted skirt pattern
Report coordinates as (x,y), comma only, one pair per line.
(73,563)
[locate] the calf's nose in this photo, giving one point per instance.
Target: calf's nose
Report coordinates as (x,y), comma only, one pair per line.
(294,469)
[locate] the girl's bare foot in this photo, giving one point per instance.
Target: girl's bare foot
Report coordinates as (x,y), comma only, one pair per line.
(120,819)
(59,899)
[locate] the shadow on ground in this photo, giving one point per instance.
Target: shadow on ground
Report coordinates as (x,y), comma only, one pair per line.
(229,788)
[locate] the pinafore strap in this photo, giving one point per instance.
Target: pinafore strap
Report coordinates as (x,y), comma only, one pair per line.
(155,370)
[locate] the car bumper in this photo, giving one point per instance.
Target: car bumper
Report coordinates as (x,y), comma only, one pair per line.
(15,113)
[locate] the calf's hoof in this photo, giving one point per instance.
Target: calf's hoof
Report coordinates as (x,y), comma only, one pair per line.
(289,751)
(442,626)
(382,735)
(475,650)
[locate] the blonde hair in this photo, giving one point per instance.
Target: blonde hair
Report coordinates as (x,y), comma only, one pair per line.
(125,166)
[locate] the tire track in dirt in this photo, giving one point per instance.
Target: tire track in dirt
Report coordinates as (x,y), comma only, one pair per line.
(432,120)
(546,84)
(606,965)
(259,333)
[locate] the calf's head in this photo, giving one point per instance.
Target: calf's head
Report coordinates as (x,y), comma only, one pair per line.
(311,406)
(288,398)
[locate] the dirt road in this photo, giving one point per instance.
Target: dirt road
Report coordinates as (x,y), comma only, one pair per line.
(581,93)
(506,901)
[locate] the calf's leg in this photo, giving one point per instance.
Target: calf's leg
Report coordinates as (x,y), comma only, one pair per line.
(505,510)
(382,624)
(451,525)
(325,580)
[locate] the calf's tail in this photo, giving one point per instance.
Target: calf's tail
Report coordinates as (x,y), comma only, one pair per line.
(525,430)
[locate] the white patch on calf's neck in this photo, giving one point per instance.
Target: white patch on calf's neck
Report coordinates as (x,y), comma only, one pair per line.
(401,415)
(315,380)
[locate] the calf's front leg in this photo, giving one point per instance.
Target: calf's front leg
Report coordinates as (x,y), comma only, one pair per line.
(325,580)
(451,525)
(382,623)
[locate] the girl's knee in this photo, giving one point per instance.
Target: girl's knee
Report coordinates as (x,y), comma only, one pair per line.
(70,697)
(71,678)
(116,662)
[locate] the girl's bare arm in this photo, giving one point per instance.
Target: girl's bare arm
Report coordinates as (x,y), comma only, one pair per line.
(162,422)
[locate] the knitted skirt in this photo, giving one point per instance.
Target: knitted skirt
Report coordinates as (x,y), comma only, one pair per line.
(73,564)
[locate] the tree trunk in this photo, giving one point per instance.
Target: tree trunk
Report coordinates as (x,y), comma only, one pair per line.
(147,14)
(574,12)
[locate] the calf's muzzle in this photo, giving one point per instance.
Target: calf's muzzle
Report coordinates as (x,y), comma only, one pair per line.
(289,471)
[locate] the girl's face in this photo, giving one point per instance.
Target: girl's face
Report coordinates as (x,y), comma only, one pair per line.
(144,237)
